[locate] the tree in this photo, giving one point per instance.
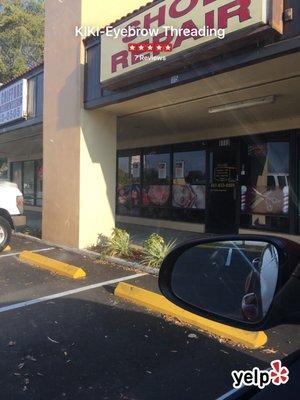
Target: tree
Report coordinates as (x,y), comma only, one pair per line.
(21,36)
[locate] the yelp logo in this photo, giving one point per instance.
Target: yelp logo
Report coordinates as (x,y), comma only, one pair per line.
(277,374)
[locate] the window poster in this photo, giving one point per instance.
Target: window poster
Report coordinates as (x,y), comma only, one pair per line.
(3,168)
(135,170)
(162,170)
(189,196)
(156,195)
(257,149)
(179,170)
(40,173)
(263,199)
(267,192)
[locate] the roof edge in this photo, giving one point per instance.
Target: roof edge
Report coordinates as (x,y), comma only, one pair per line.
(17,77)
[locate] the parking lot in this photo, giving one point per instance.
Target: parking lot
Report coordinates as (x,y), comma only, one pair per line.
(62,338)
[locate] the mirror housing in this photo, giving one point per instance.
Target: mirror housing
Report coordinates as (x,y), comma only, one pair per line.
(263,286)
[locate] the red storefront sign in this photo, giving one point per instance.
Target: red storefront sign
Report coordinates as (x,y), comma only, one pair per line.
(185,25)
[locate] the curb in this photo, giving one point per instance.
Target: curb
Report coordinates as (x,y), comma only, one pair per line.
(158,303)
(132,265)
(90,253)
(58,267)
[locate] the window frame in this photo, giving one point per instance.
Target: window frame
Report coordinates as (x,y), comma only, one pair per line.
(127,153)
(262,138)
(5,161)
(197,216)
(294,175)
(34,182)
(166,208)
(35,163)
(168,211)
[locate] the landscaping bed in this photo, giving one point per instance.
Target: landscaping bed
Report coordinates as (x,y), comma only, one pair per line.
(119,246)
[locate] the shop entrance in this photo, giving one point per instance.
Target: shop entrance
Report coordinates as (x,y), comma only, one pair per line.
(223,187)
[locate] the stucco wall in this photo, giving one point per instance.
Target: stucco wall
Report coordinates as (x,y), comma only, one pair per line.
(61,141)
(73,166)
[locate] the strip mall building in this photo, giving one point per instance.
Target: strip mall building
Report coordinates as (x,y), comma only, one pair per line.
(207,140)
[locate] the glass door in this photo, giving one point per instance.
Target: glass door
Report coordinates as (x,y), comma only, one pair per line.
(129,184)
(223,188)
(156,191)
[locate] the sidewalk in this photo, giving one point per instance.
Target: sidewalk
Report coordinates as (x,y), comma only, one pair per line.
(139,233)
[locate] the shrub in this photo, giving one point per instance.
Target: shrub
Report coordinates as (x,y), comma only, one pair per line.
(119,243)
(155,250)
(102,240)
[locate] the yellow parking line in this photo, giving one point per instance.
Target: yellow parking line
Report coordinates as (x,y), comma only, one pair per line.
(158,303)
(52,265)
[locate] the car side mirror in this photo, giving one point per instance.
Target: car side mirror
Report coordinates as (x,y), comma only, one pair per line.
(247,281)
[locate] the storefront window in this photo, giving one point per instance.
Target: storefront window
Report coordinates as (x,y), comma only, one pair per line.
(265,185)
(28,182)
(156,184)
(166,184)
(39,182)
(16,174)
(189,180)
(129,188)
(3,169)
(28,175)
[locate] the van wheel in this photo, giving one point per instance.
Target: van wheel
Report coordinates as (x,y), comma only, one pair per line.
(5,233)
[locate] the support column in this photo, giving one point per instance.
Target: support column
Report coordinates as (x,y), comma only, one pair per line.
(97,176)
(79,146)
(61,130)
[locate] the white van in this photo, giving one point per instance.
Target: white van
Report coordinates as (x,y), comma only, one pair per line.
(11,211)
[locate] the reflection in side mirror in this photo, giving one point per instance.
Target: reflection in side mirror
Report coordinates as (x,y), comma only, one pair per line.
(250,307)
(231,279)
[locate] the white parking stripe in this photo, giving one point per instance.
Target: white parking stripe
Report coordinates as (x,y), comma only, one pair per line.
(228,394)
(68,293)
(32,251)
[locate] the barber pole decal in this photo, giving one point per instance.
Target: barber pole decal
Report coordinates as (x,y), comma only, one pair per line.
(285,199)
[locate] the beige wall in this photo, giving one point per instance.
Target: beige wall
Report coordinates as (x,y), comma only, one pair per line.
(61,140)
(97,176)
(103,12)
(79,146)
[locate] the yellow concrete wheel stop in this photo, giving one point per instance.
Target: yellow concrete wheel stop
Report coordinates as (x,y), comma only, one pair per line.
(158,303)
(52,265)
(7,248)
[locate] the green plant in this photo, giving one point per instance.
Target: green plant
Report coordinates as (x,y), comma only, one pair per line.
(155,250)
(119,243)
(102,240)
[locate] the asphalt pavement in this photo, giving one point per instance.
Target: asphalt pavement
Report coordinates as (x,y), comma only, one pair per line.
(65,339)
